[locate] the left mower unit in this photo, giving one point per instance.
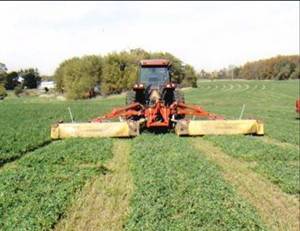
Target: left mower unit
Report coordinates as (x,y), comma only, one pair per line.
(107,129)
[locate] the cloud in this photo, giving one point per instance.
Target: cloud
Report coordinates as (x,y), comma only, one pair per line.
(207,35)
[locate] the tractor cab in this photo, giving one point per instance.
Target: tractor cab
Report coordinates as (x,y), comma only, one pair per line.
(154,72)
(154,82)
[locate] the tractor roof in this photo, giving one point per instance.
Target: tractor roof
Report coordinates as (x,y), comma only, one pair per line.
(155,62)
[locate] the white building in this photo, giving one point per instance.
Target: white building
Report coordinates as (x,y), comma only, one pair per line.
(20,79)
(46,84)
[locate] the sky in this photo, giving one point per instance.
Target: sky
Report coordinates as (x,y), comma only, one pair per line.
(207,35)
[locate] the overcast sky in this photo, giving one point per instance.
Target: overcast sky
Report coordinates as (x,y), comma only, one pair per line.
(208,35)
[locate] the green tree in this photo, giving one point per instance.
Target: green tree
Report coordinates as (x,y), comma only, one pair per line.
(11,80)
(111,79)
(120,70)
(221,74)
(78,76)
(3,78)
(279,67)
(115,72)
(296,73)
(139,54)
(284,69)
(203,74)
(3,93)
(31,77)
(61,72)
(190,77)
(236,72)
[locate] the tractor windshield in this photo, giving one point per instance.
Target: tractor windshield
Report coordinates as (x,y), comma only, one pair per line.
(154,75)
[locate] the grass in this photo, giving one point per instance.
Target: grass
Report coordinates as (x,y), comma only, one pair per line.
(103,204)
(280,165)
(178,189)
(274,103)
(36,190)
(175,186)
(25,122)
(278,210)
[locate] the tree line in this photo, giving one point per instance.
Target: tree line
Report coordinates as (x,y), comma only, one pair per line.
(277,68)
(114,72)
(18,80)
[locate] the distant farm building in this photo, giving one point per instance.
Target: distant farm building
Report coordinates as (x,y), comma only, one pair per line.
(46,84)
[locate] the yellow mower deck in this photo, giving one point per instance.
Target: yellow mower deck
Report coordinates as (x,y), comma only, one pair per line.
(105,129)
(218,127)
(182,128)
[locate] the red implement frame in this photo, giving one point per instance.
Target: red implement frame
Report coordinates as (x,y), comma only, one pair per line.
(135,109)
(157,115)
(193,110)
(298,106)
(158,111)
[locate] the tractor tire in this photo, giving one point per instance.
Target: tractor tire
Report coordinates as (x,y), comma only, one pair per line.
(130,97)
(179,96)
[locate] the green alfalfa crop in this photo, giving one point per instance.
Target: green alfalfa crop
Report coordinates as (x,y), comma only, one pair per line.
(272,102)
(280,164)
(36,190)
(25,122)
(176,188)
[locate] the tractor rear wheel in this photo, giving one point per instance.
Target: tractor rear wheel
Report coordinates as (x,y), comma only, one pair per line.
(130,97)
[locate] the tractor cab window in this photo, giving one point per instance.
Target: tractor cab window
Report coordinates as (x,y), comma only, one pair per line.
(154,75)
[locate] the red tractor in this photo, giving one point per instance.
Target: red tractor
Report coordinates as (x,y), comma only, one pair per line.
(156,103)
(156,99)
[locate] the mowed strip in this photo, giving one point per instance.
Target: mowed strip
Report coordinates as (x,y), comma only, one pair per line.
(278,164)
(177,189)
(103,203)
(270,140)
(36,190)
(278,210)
